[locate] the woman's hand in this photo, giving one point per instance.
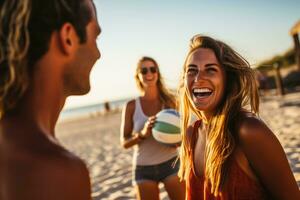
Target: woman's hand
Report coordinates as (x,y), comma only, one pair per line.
(147,130)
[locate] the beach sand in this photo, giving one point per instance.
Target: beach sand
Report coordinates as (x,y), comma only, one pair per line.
(96,140)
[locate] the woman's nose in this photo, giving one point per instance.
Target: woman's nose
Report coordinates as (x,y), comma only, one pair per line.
(199,76)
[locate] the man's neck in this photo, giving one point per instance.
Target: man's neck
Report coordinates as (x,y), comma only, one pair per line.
(45,97)
(37,113)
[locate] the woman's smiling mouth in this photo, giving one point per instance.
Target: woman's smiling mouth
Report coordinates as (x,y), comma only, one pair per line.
(201,93)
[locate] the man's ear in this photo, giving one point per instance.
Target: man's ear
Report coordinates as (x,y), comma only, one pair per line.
(68,38)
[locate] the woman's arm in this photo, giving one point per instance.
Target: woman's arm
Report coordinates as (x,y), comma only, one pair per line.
(267,158)
(129,138)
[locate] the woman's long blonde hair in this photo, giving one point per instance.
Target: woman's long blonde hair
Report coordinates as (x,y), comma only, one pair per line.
(240,93)
(166,97)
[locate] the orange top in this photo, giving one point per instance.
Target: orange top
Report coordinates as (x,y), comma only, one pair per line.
(238,185)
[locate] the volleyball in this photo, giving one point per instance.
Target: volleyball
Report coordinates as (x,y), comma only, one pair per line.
(166,129)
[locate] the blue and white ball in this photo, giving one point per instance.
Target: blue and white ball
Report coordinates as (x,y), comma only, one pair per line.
(166,129)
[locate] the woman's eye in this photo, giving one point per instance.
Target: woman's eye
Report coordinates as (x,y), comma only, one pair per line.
(191,71)
(211,70)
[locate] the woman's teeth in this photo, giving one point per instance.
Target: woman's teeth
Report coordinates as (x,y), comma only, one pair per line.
(202,92)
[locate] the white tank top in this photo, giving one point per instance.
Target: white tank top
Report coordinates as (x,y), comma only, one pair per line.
(149,151)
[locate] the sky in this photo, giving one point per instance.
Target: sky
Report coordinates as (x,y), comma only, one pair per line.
(162,29)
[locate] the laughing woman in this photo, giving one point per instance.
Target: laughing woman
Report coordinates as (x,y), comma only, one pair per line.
(153,163)
(228,153)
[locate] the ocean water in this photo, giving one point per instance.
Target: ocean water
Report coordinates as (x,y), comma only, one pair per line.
(90,109)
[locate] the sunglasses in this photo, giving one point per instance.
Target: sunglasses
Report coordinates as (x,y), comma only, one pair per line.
(144,70)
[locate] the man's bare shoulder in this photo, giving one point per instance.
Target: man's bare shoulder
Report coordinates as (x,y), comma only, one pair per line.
(46,171)
(67,178)
(64,177)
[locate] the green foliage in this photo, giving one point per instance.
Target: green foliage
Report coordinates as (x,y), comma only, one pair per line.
(284,60)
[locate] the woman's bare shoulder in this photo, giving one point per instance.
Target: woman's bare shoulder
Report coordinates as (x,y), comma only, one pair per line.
(128,109)
(130,105)
(267,157)
(251,127)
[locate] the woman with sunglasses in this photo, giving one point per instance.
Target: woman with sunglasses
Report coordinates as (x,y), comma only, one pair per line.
(152,162)
(228,153)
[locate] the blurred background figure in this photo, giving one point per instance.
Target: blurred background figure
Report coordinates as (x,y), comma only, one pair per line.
(106,107)
(261,81)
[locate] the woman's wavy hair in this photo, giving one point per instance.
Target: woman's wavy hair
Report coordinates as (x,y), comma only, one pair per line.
(166,97)
(240,93)
(25,30)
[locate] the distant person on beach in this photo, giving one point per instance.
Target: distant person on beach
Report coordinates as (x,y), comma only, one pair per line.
(107,107)
(262,82)
(152,162)
(228,152)
(47,50)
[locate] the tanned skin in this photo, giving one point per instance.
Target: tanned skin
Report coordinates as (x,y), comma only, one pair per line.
(33,163)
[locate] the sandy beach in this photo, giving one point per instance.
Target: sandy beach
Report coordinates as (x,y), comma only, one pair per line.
(96,140)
